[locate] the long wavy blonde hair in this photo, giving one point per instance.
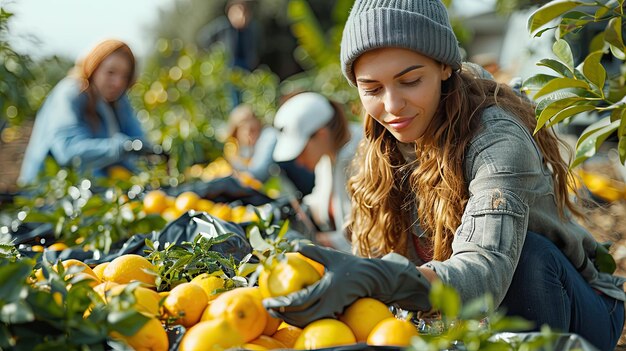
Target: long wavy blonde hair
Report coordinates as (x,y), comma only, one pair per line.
(384,189)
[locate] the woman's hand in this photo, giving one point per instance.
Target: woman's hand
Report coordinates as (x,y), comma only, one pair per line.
(392,279)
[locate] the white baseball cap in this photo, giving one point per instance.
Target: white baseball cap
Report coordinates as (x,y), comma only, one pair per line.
(296,120)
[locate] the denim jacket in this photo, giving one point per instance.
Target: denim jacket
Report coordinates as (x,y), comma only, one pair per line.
(511,192)
(61,131)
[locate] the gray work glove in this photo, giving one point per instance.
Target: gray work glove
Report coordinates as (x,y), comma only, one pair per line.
(392,280)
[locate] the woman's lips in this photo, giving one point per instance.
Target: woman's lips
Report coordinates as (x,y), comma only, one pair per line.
(400,123)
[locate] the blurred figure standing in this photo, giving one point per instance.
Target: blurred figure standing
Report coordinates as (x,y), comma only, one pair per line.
(240,33)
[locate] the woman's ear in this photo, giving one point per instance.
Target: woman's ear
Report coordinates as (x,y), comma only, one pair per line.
(446,72)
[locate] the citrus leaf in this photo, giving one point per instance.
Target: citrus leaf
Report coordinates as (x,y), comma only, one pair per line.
(593,69)
(559,84)
(536,82)
(604,262)
(591,139)
(256,240)
(548,12)
(556,66)
(446,299)
(569,112)
(563,51)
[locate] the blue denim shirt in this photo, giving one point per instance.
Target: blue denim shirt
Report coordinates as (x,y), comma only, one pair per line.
(511,192)
(60,130)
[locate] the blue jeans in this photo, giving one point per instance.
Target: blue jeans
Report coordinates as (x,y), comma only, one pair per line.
(547,289)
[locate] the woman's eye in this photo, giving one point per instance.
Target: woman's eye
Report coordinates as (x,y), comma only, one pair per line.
(370,91)
(413,82)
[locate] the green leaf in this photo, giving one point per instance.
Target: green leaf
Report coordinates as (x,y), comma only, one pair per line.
(573,21)
(561,115)
(604,262)
(562,50)
(14,272)
(512,324)
(559,84)
(446,299)
(552,107)
(613,36)
(593,69)
(126,322)
(548,12)
(256,240)
(16,312)
(536,82)
(556,66)
(592,138)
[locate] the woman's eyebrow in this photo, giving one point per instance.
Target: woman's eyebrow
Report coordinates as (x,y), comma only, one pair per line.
(408,69)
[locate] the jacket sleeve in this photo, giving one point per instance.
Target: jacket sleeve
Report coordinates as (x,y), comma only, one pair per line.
(487,245)
(72,138)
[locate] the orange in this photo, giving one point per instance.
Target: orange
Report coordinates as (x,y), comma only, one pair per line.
(154,202)
(213,335)
(209,284)
(242,308)
(324,333)
(37,248)
(363,315)
(287,335)
(268,342)
(188,301)
(130,267)
(186,201)
(392,332)
(151,337)
(286,276)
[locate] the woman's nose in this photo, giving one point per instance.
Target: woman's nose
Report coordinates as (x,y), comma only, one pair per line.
(394,103)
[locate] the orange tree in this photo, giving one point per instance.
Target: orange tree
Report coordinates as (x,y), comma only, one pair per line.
(574,88)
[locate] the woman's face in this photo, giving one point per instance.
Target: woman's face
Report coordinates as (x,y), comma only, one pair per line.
(112,76)
(318,145)
(248,132)
(400,89)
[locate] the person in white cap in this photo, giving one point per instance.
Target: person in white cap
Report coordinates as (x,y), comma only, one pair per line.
(315,132)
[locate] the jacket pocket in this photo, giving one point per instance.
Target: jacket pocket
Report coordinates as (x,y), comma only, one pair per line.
(496,220)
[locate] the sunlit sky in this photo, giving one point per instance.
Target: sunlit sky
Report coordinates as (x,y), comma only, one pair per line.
(70,28)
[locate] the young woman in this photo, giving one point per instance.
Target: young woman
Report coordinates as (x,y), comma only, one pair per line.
(315,132)
(450,179)
(87,120)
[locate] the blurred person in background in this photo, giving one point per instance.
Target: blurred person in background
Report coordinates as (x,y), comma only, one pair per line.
(315,132)
(249,147)
(240,33)
(87,119)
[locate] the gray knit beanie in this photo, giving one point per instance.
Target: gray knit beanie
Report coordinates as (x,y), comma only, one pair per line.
(419,25)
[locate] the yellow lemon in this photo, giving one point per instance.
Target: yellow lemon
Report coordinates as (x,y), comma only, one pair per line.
(187,300)
(287,335)
(392,332)
(213,335)
(151,337)
(129,268)
(267,342)
(242,308)
(209,284)
(154,202)
(186,201)
(287,276)
(99,270)
(324,333)
(363,315)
